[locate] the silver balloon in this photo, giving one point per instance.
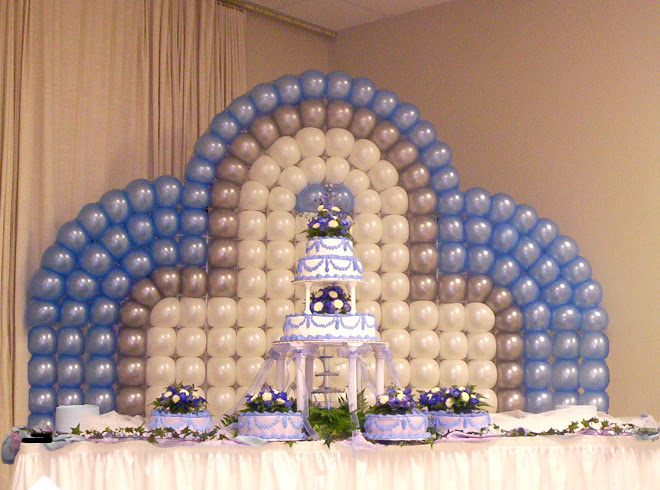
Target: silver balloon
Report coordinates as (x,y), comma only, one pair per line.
(146,292)
(223,223)
(130,401)
(131,371)
(222,282)
(384,135)
(339,114)
(232,169)
(499,299)
(133,314)
(423,287)
(423,257)
(478,288)
(131,342)
(510,346)
(510,374)
(287,119)
(508,400)
(246,148)
(264,129)
(223,253)
(403,154)
(422,201)
(364,122)
(193,282)
(415,176)
(225,194)
(423,229)
(510,319)
(168,281)
(451,288)
(312,113)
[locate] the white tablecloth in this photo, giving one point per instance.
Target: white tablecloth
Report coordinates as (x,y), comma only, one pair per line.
(595,462)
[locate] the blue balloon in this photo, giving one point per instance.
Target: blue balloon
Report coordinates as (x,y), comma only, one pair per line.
(538,346)
(594,345)
(42,340)
(422,135)
(42,400)
(141,229)
(445,178)
(41,313)
(116,284)
(558,293)
(42,370)
(405,116)
(166,222)
(116,241)
(538,401)
(70,396)
(502,208)
(225,126)
(101,341)
(70,341)
(594,319)
(450,202)
(563,249)
(244,111)
(141,195)
(74,313)
(200,171)
(339,85)
(81,286)
(193,250)
(104,397)
(545,270)
(545,232)
(288,86)
(195,196)
(194,221)
(168,188)
(93,220)
(308,199)
(384,103)
(46,285)
(436,156)
(210,147)
(566,345)
(41,420)
(115,205)
(165,252)
(450,229)
(538,375)
(525,290)
(70,371)
(478,231)
(477,202)
(588,294)
(312,83)
(560,398)
(505,237)
(100,371)
(453,257)
(598,398)
(538,316)
(577,271)
(265,97)
(362,92)
(104,311)
(527,251)
(138,264)
(505,270)
(96,260)
(58,259)
(594,374)
(480,259)
(525,218)
(72,236)
(565,317)
(565,375)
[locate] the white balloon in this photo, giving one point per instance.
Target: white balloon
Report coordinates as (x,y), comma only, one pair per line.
(161,341)
(395,257)
(339,365)
(490,397)
(383,175)
(273,334)
(285,151)
(451,317)
(311,142)
(289,374)
(453,372)
(190,341)
(369,255)
(293,178)
(193,312)
(424,344)
(251,225)
(365,154)
(423,315)
(371,307)
(247,368)
(396,315)
(250,342)
(424,373)
(367,202)
(276,312)
(402,369)
(395,287)
(190,370)
(279,284)
(280,225)
(357,181)
(371,288)
(479,318)
(281,199)
(336,170)
(251,283)
(367,228)
(280,255)
(265,170)
(314,168)
(399,341)
(251,313)
(251,254)
(221,312)
(299,306)
(395,229)
(254,196)
(339,142)
(395,201)
(151,394)
(220,399)
(221,341)
(453,345)
(166,313)
(482,373)
(481,346)
(160,371)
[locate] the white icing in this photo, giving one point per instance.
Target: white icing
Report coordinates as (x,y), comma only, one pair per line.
(285,426)
(344,326)
(411,426)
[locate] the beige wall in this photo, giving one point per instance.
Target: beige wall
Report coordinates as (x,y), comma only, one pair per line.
(558,104)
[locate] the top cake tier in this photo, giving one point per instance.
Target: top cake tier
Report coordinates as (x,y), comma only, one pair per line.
(329,259)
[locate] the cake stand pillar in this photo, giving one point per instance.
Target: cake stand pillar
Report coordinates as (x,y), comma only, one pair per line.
(380,353)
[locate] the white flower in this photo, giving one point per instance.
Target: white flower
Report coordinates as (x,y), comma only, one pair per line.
(318,306)
(184,392)
(333,223)
(335,208)
(333,294)
(176,398)
(462,388)
(316,225)
(167,394)
(338,303)
(195,394)
(254,398)
(450,403)
(321,207)
(275,392)
(435,390)
(465,397)
(383,399)
(318,294)
(267,396)
(279,401)
(400,396)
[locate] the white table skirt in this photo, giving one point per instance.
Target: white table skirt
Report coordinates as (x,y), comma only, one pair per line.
(527,463)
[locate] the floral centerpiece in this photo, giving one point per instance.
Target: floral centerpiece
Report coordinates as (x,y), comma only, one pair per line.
(396,417)
(180,407)
(330,300)
(268,400)
(330,221)
(455,408)
(270,415)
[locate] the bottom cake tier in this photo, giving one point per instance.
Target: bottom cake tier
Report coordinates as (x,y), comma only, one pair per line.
(407,427)
(466,422)
(358,326)
(283,426)
(198,422)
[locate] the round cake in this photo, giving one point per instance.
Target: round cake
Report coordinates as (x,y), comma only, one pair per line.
(329,259)
(404,427)
(306,326)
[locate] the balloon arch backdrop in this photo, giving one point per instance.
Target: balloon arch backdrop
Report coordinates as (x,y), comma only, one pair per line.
(165,281)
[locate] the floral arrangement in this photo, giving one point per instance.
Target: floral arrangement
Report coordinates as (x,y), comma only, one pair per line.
(180,398)
(330,221)
(330,300)
(395,401)
(456,399)
(269,400)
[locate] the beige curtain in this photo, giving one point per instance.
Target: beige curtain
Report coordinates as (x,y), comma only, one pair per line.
(96,93)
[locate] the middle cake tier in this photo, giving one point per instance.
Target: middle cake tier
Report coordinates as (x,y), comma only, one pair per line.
(329,259)
(305,326)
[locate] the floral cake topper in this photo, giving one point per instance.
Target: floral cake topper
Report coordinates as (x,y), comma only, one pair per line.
(330,221)
(180,398)
(331,300)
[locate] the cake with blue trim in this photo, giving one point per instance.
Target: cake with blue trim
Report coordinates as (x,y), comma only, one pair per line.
(270,415)
(181,407)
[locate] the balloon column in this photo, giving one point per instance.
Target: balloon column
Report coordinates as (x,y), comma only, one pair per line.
(164,281)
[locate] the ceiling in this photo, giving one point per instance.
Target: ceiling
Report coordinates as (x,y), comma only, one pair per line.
(338,15)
